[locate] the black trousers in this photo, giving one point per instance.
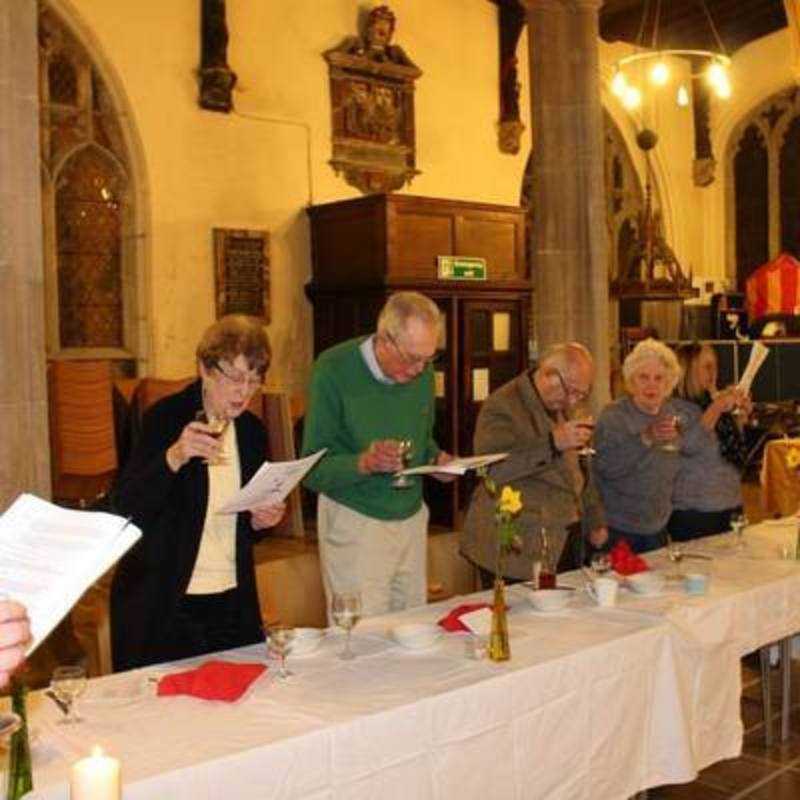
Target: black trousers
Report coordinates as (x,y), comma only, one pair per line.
(205,623)
(686,524)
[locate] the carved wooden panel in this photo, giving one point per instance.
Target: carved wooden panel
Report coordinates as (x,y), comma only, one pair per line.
(241,260)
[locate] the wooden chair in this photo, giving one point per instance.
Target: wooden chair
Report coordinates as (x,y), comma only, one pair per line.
(82,436)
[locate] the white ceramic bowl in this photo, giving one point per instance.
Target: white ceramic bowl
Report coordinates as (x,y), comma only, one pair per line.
(416,635)
(306,641)
(550,599)
(645,582)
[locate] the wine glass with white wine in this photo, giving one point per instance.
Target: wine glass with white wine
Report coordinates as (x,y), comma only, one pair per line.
(217,424)
(405,449)
(346,611)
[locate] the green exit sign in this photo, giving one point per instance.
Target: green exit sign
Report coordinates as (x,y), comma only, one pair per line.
(462,268)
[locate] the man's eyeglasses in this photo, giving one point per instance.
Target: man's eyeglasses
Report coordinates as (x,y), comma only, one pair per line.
(250,382)
(570,391)
(412,361)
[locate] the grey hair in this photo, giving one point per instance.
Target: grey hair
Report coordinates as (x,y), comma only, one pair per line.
(402,306)
(647,350)
(565,354)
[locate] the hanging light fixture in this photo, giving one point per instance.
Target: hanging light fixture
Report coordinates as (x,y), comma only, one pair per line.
(649,68)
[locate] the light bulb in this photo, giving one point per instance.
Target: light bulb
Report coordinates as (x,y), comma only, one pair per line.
(723,88)
(716,74)
(659,74)
(619,83)
(683,96)
(632,98)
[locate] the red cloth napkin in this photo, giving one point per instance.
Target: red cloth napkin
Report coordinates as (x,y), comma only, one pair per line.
(624,561)
(452,622)
(214,680)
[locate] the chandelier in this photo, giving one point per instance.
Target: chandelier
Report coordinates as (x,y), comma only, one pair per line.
(634,73)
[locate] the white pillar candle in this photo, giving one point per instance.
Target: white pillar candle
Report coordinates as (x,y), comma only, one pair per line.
(96,777)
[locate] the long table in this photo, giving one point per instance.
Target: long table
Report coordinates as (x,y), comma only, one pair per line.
(595,703)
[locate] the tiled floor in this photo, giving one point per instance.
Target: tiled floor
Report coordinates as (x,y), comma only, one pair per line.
(761,772)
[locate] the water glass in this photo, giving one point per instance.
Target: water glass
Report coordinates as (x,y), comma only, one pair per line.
(346,611)
(738,523)
(68,683)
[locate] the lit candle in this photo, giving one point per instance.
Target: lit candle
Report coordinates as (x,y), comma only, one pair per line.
(96,777)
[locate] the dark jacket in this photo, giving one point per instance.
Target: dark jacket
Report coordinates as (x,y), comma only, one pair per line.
(170,508)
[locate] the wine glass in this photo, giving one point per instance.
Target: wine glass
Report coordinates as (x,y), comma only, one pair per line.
(217,424)
(583,418)
(346,611)
(279,641)
(672,446)
(68,684)
(405,449)
(600,563)
(738,523)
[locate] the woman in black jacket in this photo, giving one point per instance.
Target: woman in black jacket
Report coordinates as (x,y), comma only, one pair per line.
(188,586)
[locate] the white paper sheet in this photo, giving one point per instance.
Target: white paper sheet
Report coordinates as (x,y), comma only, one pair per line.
(758,355)
(49,556)
(271,484)
(458,466)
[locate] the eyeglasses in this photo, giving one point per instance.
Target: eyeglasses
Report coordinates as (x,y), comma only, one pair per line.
(412,361)
(238,379)
(570,391)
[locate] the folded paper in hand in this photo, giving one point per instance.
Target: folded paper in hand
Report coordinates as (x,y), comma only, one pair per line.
(271,484)
(49,556)
(458,466)
(758,355)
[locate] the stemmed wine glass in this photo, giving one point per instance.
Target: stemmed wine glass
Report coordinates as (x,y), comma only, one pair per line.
(672,446)
(738,523)
(68,684)
(279,641)
(405,449)
(583,418)
(346,611)
(217,424)
(600,562)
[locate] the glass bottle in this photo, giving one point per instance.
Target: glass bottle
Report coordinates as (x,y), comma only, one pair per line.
(20,774)
(547,571)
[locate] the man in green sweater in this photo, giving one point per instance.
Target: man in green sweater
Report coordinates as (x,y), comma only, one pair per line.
(366,395)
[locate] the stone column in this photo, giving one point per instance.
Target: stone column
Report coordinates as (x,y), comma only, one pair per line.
(24,444)
(569,236)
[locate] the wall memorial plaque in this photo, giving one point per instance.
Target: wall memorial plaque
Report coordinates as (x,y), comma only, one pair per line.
(242,272)
(372,105)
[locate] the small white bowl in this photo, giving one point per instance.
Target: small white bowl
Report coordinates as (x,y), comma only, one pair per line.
(645,582)
(416,635)
(550,599)
(306,641)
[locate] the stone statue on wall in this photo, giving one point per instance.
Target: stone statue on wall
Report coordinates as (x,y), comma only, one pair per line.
(217,79)
(372,105)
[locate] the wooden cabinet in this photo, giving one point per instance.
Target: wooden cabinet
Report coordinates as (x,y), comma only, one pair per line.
(366,248)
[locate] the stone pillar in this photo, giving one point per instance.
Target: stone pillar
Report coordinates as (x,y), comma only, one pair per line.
(24,446)
(569,242)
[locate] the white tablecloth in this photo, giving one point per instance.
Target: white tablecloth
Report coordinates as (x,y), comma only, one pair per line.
(594,704)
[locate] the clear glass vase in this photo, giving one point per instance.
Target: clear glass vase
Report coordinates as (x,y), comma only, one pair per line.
(20,774)
(499,649)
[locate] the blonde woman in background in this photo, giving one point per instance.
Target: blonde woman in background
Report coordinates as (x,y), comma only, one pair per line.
(708,485)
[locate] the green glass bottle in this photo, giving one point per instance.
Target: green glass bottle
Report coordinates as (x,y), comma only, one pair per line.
(20,774)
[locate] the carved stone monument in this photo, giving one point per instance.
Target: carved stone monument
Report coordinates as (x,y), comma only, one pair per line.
(372,106)
(217,79)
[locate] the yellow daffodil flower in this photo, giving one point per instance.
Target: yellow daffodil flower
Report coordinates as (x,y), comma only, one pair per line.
(510,501)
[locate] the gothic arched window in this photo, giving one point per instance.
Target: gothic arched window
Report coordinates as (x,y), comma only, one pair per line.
(89,242)
(751,186)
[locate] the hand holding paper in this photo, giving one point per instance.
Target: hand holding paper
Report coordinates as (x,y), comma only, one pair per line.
(758,355)
(457,466)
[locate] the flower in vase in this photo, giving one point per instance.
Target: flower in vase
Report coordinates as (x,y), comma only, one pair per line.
(507,506)
(793,457)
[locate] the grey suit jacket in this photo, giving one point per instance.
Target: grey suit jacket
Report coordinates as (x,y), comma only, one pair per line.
(514,420)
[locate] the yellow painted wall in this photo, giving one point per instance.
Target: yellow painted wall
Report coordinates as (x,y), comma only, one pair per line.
(260,167)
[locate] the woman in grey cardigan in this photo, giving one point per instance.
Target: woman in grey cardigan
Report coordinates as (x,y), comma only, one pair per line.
(637,442)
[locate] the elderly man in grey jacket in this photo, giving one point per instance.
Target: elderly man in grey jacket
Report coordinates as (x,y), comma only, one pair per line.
(529,417)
